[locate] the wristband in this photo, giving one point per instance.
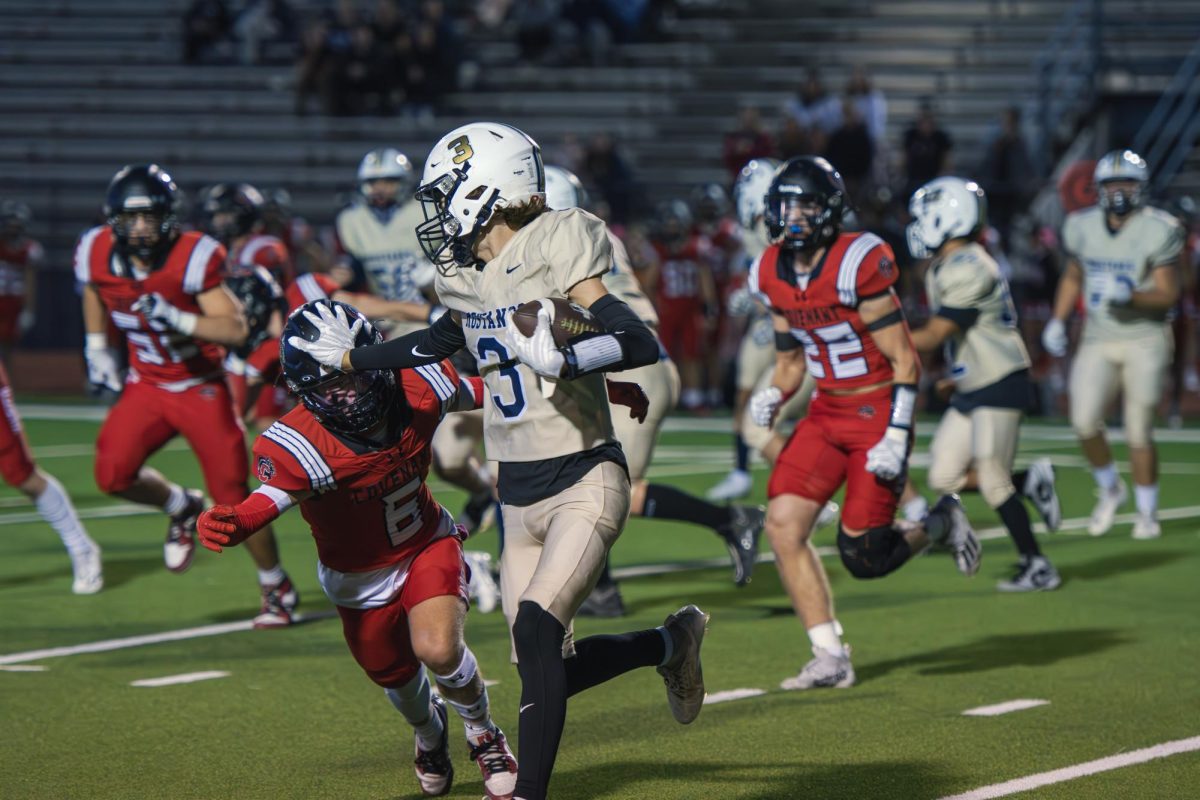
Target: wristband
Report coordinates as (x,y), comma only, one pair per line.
(593,354)
(95,341)
(904,405)
(185,323)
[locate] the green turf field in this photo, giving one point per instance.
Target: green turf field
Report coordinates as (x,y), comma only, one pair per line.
(1115,651)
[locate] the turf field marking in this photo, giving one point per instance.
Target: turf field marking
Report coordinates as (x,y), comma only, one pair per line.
(99,512)
(1080,770)
(1004,708)
(487,682)
(731,694)
(23,668)
(187,677)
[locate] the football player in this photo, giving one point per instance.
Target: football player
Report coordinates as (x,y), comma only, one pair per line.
(162,289)
(738,526)
(975,321)
(836,316)
(233,216)
(354,456)
(20,257)
(43,489)
(1123,258)
(563,482)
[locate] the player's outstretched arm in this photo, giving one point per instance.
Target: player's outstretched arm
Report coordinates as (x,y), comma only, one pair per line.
(228,526)
(429,345)
(397,310)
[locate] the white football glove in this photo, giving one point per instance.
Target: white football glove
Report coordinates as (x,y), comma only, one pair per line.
(538,351)
(764,405)
(103,365)
(156,307)
(25,321)
(886,459)
(1054,338)
(335,336)
(740,302)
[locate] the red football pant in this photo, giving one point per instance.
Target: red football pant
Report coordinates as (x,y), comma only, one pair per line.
(829,447)
(379,638)
(146,417)
(679,327)
(16,462)
(10,309)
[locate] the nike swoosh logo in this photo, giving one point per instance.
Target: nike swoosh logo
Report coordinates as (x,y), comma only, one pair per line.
(510,270)
(522,711)
(419,354)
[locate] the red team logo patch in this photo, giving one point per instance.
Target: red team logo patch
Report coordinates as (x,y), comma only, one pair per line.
(265,469)
(866,412)
(886,266)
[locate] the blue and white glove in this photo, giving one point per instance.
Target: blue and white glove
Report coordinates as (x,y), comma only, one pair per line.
(1054,338)
(103,365)
(538,351)
(335,336)
(764,405)
(887,458)
(156,307)
(1121,293)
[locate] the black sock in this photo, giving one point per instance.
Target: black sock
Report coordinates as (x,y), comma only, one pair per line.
(539,637)
(742,451)
(1012,512)
(601,658)
(1018,479)
(667,502)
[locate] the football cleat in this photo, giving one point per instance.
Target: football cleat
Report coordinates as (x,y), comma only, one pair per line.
(741,538)
(826,671)
(682,673)
(180,546)
(89,574)
(959,538)
(1039,488)
(435,770)
(1034,574)
(479,512)
(278,605)
(483,588)
(1101,520)
(1146,527)
(604,601)
(498,765)
(736,485)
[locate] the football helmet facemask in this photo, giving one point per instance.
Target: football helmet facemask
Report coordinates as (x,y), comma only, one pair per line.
(142,190)
(470,174)
(346,402)
(806,201)
(1128,174)
(943,209)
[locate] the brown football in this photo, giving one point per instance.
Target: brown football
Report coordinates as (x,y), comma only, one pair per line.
(567,320)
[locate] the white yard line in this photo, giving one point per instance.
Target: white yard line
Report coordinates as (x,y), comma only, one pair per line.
(1004,708)
(731,694)
(128,641)
(23,668)
(99,512)
(1080,770)
(187,677)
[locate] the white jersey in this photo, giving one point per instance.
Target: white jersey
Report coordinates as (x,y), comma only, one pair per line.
(968,288)
(391,256)
(1148,239)
(621,282)
(547,257)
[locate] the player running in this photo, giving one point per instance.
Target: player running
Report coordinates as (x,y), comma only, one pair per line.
(836,316)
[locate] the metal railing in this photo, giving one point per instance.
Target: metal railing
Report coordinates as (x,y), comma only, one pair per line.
(1168,135)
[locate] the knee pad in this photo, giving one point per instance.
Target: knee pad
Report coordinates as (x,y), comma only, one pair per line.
(995,482)
(874,554)
(1139,421)
(463,675)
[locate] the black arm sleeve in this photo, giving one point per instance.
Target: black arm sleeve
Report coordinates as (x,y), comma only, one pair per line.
(440,340)
(638,345)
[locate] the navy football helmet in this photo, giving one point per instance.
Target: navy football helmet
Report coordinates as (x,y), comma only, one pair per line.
(260,295)
(142,189)
(812,186)
(345,402)
(231,210)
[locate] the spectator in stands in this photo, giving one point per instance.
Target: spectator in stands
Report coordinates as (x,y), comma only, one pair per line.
(870,102)
(794,139)
(815,110)
(748,141)
(205,23)
(926,149)
(852,151)
(608,171)
(1007,174)
(361,85)
(263,22)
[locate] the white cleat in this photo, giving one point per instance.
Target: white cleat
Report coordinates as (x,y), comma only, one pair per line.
(1146,527)
(89,574)
(483,588)
(1039,488)
(1101,520)
(826,671)
(959,538)
(736,485)
(828,515)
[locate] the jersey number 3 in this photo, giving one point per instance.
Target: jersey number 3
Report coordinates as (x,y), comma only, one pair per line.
(843,346)
(510,409)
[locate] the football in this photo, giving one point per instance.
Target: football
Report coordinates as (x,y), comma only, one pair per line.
(567,320)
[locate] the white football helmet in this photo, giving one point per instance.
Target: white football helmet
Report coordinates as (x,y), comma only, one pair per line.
(564,189)
(384,162)
(472,172)
(943,209)
(1121,165)
(750,190)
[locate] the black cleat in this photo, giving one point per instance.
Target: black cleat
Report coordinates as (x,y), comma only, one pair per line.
(741,538)
(434,768)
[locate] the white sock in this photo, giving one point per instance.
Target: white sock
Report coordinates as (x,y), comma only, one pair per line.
(271,577)
(176,500)
(55,507)
(826,636)
(1147,499)
(916,509)
(1106,477)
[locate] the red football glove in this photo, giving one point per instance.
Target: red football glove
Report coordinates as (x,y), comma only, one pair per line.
(626,393)
(218,528)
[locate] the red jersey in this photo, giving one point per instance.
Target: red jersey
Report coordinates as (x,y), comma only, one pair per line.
(369,510)
(823,312)
(308,287)
(264,251)
(15,258)
(679,271)
(157,355)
